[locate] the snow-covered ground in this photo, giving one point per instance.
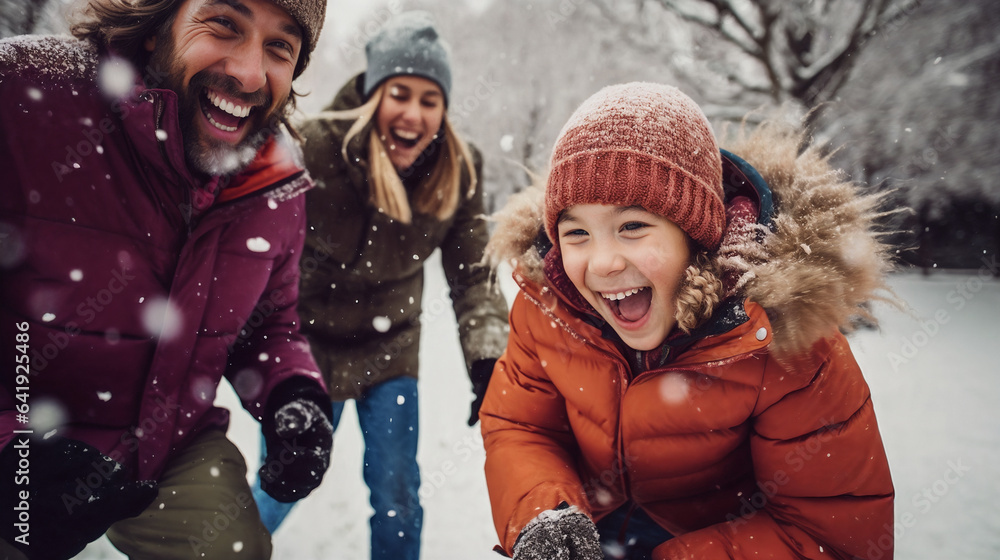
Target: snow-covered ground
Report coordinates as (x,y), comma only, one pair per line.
(934,381)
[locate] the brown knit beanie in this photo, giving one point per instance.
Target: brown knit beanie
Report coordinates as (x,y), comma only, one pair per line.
(309,14)
(640,144)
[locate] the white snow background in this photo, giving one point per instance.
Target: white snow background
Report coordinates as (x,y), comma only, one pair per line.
(933,377)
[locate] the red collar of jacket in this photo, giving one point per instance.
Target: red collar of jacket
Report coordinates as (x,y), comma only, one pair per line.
(276,165)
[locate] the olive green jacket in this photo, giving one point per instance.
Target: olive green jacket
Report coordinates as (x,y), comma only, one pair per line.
(362,272)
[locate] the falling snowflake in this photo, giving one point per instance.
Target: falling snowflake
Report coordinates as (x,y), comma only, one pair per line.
(258,245)
(203,389)
(248,383)
(674,388)
(115,77)
(162,318)
(46,415)
(382,323)
(507,142)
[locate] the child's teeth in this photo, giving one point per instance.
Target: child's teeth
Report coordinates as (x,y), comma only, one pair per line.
(621,295)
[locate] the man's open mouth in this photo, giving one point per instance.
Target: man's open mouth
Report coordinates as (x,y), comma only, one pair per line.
(222,113)
(629,305)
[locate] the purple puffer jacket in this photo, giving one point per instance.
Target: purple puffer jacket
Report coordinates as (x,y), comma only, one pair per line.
(135,303)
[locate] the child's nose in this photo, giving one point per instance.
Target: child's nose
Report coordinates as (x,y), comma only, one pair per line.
(607,261)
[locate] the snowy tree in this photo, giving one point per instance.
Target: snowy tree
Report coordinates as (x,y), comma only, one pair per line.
(521,67)
(801,50)
(22,17)
(919,119)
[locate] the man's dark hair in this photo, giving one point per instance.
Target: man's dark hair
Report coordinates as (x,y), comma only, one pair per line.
(124,25)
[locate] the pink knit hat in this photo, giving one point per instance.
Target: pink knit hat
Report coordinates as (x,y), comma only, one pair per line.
(640,144)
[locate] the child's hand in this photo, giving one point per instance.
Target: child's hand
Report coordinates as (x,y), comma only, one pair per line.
(565,533)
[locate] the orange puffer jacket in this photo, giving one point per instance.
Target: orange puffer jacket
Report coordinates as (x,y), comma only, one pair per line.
(755,441)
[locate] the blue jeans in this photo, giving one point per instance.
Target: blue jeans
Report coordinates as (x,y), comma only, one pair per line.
(388,416)
(631,537)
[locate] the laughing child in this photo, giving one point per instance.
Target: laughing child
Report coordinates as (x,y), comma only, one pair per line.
(676,384)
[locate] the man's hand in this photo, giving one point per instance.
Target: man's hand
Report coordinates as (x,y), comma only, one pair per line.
(75,494)
(299,436)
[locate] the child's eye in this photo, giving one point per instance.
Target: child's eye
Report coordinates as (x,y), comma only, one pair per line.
(574,233)
(633,226)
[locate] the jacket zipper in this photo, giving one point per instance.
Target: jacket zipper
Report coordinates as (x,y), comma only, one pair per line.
(159,109)
(627,380)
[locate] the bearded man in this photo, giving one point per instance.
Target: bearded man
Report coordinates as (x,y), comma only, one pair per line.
(151,229)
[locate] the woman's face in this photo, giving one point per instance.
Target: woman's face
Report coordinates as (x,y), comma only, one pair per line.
(408,117)
(628,264)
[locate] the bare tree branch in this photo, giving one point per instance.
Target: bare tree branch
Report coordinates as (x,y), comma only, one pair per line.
(718,24)
(805,49)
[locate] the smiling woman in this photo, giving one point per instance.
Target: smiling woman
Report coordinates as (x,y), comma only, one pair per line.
(397,183)
(409,117)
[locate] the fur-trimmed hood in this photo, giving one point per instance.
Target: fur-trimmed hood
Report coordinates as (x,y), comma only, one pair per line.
(815,268)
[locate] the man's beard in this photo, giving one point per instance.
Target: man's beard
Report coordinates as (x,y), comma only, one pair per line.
(203,153)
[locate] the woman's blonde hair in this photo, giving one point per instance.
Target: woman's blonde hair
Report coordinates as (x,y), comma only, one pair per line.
(437,195)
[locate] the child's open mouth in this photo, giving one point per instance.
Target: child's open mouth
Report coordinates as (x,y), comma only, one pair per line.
(222,113)
(630,305)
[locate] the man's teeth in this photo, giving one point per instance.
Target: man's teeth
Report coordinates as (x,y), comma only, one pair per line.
(221,126)
(228,106)
(620,295)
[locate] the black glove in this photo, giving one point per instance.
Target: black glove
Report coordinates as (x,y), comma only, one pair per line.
(298,434)
(74,494)
(480,375)
(564,533)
